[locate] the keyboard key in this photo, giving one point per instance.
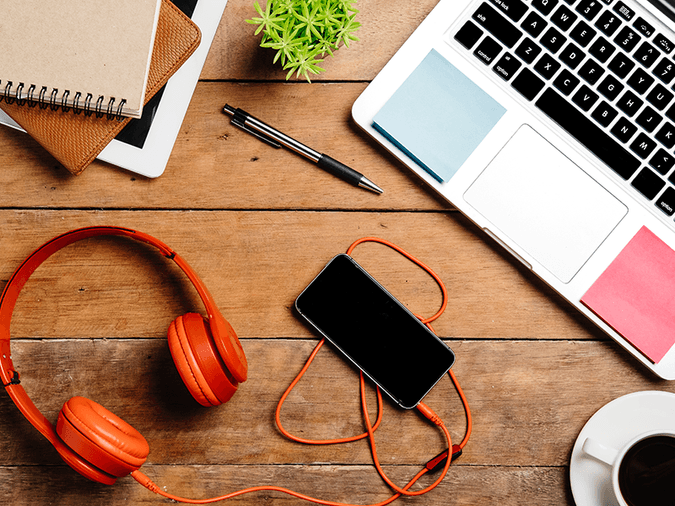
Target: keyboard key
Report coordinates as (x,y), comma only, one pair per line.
(589,8)
(608,23)
(610,87)
(665,70)
(621,65)
(552,40)
(659,97)
(670,113)
(582,34)
(604,114)
(497,25)
(643,27)
(507,66)
(602,49)
(468,35)
(624,11)
(627,39)
(572,55)
(646,54)
(666,135)
(648,183)
(563,18)
(544,6)
(624,130)
(640,81)
(566,82)
(591,71)
(487,50)
(643,145)
(514,9)
(527,50)
(527,84)
(663,43)
(648,119)
(662,161)
(547,66)
(629,103)
(588,133)
(534,24)
(585,98)
(666,202)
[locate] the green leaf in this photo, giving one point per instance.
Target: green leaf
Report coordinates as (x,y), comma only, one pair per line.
(302,31)
(267,20)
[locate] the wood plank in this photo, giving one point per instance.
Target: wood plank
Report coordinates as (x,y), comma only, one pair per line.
(464,486)
(523,415)
(256,263)
(215,165)
(235,53)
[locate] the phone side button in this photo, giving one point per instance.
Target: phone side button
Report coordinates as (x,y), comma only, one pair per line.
(507,248)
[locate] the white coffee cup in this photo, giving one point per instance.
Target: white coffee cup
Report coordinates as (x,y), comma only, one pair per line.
(614,457)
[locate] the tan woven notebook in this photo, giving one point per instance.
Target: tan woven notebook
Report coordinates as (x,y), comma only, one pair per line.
(79,54)
(76,139)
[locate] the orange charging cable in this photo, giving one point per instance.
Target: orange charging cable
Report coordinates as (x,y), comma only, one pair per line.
(444,458)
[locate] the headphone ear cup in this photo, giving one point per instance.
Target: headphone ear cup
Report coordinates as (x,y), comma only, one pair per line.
(101,438)
(198,361)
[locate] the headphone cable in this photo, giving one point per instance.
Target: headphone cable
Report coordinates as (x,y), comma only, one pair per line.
(444,458)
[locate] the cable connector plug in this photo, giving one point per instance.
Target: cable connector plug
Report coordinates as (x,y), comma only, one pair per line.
(438,462)
(145,481)
(429,413)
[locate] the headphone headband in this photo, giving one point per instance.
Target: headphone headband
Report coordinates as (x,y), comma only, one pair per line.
(229,348)
(16,282)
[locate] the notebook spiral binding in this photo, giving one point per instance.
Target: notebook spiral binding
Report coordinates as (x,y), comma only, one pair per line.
(78,105)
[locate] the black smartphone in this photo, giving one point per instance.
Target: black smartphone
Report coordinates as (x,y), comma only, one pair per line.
(375,331)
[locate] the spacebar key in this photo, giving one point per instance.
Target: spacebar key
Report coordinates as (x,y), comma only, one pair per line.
(588,133)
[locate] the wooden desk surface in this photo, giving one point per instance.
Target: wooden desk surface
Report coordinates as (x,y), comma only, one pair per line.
(257,224)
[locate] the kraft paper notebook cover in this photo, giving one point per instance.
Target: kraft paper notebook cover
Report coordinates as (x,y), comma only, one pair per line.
(82,54)
(76,139)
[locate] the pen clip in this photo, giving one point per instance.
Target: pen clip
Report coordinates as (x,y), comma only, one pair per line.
(236,121)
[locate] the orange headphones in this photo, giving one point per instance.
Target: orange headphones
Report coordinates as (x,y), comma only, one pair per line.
(91,439)
(211,362)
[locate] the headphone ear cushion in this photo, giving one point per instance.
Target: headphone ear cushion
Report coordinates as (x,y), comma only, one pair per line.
(103,439)
(198,361)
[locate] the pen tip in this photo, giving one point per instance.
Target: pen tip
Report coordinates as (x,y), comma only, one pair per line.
(369,185)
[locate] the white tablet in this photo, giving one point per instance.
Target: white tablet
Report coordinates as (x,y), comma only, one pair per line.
(145,144)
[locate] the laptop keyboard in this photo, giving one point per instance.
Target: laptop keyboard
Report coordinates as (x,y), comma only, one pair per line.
(599,69)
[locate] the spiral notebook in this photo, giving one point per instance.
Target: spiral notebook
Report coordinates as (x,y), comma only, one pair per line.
(76,140)
(84,55)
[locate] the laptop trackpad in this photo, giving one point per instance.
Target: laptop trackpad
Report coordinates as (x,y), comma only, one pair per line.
(545,203)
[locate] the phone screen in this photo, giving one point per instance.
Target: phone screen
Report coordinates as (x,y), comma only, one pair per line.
(375,331)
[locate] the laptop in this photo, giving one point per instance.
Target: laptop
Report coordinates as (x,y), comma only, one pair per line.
(145,144)
(551,125)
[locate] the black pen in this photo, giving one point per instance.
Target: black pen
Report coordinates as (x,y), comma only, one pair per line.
(275,138)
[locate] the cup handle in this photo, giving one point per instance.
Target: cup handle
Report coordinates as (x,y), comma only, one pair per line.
(599,451)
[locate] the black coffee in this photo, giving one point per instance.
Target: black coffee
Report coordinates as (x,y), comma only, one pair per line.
(647,472)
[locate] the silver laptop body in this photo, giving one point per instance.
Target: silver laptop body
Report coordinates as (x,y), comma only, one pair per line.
(565,204)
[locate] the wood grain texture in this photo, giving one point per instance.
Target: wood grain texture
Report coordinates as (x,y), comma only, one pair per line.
(257,224)
(215,165)
(464,486)
(519,415)
(524,427)
(258,262)
(385,26)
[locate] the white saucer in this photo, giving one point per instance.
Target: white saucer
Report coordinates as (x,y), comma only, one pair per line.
(614,425)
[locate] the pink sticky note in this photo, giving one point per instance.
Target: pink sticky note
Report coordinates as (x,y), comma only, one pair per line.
(636,295)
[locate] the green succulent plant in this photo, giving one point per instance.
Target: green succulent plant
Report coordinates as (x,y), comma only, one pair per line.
(303,32)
